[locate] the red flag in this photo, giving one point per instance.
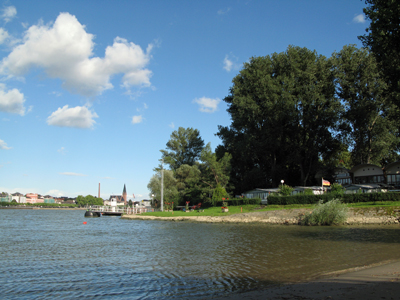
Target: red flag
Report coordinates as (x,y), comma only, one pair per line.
(133,195)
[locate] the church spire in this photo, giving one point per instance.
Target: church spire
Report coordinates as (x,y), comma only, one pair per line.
(124,195)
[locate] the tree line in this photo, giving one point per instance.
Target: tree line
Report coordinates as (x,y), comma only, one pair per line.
(295,113)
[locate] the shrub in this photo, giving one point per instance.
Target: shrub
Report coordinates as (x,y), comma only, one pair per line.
(337,189)
(330,213)
(285,190)
(308,192)
(218,193)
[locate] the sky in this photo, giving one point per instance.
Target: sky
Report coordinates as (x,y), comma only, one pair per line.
(90,91)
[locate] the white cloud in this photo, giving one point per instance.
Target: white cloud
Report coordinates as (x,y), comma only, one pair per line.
(172,125)
(137,119)
(9,13)
(65,50)
(11,101)
(78,117)
(3,35)
(3,145)
(72,174)
(224,11)
(61,150)
(230,63)
(207,105)
(55,193)
(359,18)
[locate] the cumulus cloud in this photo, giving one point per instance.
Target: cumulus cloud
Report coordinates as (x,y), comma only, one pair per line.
(11,101)
(172,125)
(359,18)
(230,63)
(3,145)
(72,174)
(8,13)
(65,50)
(137,119)
(207,105)
(77,117)
(3,35)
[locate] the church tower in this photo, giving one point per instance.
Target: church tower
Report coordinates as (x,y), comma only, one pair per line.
(124,195)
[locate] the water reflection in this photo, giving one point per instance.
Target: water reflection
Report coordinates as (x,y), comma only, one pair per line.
(52,254)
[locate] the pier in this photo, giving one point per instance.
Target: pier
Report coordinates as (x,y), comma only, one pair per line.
(118,211)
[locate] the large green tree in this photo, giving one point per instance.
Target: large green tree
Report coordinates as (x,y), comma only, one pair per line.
(371,130)
(189,185)
(183,147)
(283,114)
(215,171)
(383,39)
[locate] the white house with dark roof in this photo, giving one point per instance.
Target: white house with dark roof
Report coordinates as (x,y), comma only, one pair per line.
(367,173)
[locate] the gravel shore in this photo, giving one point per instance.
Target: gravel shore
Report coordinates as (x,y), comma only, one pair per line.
(285,217)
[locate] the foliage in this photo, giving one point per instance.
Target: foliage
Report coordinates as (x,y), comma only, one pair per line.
(283,114)
(285,190)
(216,171)
(88,200)
(337,189)
(130,203)
(170,188)
(329,213)
(189,185)
(308,192)
(383,39)
(184,147)
(369,129)
(218,194)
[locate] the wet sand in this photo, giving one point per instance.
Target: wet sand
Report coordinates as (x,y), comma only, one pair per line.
(368,283)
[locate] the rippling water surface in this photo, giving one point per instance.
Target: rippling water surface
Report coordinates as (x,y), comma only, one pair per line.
(47,254)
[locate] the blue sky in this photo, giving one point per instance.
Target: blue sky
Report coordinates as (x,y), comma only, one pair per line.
(90,91)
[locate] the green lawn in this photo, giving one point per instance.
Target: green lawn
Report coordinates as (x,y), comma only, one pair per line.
(216,211)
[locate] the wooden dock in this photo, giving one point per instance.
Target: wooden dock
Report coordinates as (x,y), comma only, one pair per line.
(118,211)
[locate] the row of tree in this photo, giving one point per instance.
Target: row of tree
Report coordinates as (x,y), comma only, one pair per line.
(295,113)
(88,200)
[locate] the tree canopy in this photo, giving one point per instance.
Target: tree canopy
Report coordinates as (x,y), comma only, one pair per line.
(283,114)
(371,130)
(184,147)
(383,39)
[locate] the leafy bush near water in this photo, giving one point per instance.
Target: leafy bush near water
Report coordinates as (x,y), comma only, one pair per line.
(329,213)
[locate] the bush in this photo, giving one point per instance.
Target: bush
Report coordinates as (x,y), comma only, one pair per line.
(218,193)
(285,190)
(329,213)
(337,189)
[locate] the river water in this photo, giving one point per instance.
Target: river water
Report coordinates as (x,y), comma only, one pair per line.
(51,254)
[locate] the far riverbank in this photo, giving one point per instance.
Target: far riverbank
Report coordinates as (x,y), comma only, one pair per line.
(356,216)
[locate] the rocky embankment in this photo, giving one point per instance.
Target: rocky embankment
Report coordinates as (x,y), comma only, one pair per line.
(356,216)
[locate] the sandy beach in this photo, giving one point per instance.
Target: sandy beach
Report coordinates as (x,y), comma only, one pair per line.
(368,283)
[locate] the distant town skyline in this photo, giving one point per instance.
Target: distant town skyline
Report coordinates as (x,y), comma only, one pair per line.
(91,92)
